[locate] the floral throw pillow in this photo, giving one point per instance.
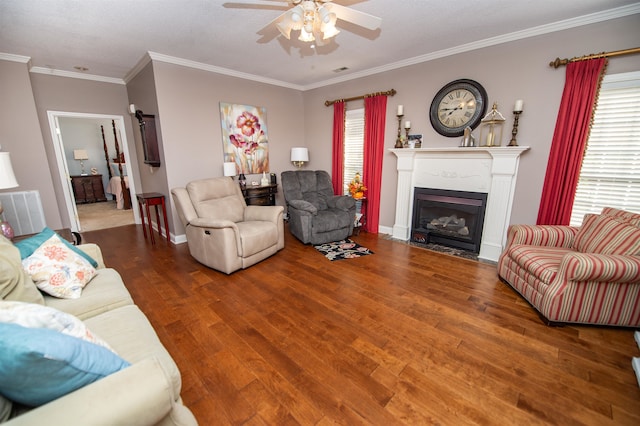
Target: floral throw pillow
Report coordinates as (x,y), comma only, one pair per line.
(58,270)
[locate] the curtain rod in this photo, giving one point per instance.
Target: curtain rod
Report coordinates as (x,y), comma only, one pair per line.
(355,98)
(561,62)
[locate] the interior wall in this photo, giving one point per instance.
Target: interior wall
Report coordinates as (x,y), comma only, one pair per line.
(510,71)
(54,93)
(142,93)
(20,135)
(189,108)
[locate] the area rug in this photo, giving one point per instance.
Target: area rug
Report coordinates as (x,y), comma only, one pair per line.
(94,216)
(345,249)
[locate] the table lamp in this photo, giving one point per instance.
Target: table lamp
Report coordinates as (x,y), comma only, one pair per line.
(81,155)
(229,168)
(7,180)
(299,156)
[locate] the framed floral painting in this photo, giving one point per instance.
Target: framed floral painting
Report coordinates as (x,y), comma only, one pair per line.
(244,137)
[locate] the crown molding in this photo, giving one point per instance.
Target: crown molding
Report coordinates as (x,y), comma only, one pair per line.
(220,70)
(146,59)
(15,58)
(69,74)
(492,41)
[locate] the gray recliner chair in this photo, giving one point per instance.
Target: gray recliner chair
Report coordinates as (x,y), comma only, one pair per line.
(316,214)
(222,231)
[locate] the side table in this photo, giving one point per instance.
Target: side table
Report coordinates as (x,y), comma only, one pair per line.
(260,195)
(361,216)
(152,199)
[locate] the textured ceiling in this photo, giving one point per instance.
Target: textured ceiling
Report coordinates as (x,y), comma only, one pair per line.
(111,37)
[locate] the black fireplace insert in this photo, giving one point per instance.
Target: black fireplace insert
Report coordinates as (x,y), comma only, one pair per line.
(450,218)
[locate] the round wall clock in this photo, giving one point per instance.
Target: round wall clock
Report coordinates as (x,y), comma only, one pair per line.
(459,104)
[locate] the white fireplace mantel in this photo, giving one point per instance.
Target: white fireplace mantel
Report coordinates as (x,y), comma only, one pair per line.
(492,170)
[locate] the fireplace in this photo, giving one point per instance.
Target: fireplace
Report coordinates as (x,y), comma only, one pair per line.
(451,218)
(489,170)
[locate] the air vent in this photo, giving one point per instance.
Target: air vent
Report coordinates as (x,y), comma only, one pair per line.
(340,69)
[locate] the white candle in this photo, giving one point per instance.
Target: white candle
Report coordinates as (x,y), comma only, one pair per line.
(400,110)
(407,124)
(518,106)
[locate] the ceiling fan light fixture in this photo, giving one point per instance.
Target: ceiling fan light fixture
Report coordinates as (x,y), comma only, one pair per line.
(324,14)
(285,29)
(328,28)
(296,14)
(330,31)
(306,36)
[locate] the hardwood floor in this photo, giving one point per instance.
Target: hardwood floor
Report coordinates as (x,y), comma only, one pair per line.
(404,336)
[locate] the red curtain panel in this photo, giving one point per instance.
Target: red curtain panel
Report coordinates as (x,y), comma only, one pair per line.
(337,167)
(569,140)
(375,111)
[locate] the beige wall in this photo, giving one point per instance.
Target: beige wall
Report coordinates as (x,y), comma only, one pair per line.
(20,134)
(186,104)
(515,70)
(53,93)
(141,92)
(189,111)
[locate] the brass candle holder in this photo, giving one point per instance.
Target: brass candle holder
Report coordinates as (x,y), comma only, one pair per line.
(399,139)
(514,132)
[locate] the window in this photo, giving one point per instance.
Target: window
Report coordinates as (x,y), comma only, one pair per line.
(353,146)
(610,174)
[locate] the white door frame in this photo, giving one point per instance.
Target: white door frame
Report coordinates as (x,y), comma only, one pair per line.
(65,180)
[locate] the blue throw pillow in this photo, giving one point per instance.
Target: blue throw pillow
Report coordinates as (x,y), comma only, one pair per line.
(39,365)
(31,244)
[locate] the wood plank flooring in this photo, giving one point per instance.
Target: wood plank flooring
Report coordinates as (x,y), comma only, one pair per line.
(404,336)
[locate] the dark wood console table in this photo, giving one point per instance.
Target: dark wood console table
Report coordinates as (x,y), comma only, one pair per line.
(260,195)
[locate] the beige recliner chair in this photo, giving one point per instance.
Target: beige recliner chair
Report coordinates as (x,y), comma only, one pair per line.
(222,231)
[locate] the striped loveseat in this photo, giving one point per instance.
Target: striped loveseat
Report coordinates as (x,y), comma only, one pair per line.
(588,274)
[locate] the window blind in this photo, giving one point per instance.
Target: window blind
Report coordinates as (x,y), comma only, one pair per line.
(353,146)
(610,174)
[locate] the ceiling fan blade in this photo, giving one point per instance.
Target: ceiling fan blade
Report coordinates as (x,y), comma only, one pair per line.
(272,25)
(264,5)
(362,19)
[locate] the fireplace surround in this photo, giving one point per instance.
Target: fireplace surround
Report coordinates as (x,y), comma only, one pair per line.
(490,170)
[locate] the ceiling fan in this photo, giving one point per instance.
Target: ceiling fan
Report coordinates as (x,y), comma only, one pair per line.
(316,19)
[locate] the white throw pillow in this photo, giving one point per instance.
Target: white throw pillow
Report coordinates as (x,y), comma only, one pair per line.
(58,270)
(32,315)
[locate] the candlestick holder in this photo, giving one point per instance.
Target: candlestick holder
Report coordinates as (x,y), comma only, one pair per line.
(406,132)
(399,139)
(514,132)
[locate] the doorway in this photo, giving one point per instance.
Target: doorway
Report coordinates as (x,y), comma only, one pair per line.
(79,141)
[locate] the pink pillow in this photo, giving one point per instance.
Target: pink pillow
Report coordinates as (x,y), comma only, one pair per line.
(604,234)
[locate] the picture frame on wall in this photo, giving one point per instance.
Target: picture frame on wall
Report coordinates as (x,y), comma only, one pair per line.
(244,137)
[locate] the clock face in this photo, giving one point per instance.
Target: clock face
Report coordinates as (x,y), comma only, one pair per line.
(459,104)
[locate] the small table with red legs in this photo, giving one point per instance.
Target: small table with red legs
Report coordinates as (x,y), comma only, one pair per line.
(152,199)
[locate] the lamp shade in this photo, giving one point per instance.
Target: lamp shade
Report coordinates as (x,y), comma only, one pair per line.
(299,154)
(7,177)
(80,154)
(229,168)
